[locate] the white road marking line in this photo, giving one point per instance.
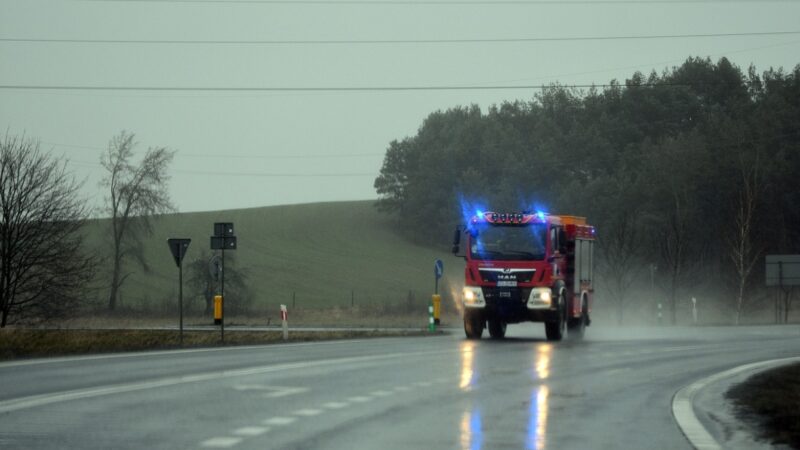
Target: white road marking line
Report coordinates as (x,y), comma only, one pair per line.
(614,371)
(442,380)
(336,405)
(47,399)
(169,352)
(250,431)
(272,391)
(380,393)
(402,388)
(221,442)
(359,399)
(423,384)
(279,421)
(683,411)
(308,412)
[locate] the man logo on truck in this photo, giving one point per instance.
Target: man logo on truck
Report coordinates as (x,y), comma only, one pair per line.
(523,267)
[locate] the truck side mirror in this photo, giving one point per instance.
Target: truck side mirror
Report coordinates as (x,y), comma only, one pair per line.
(456,241)
(562,241)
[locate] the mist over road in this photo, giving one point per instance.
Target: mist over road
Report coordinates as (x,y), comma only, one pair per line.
(613,390)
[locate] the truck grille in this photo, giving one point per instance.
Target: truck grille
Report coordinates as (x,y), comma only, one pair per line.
(518,275)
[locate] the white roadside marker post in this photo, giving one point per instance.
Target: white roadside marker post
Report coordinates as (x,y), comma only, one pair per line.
(285,322)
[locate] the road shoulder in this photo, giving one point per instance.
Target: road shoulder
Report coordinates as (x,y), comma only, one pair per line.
(708,419)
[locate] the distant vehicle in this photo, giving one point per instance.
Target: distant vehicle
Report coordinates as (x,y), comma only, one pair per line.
(527,267)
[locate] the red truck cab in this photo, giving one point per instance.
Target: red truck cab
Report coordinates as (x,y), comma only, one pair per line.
(527,267)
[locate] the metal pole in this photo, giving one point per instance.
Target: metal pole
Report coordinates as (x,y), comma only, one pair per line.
(180,299)
(436,286)
(780,288)
(222,293)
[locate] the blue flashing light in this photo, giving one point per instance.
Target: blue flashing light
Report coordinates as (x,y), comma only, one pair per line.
(471,209)
(541,215)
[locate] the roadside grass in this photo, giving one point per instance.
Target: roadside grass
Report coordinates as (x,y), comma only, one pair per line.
(357,317)
(27,343)
(771,399)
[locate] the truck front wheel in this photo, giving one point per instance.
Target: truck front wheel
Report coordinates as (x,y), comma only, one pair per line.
(555,329)
(497,329)
(473,324)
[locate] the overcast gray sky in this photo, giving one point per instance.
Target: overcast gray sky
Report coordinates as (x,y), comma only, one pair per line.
(255,148)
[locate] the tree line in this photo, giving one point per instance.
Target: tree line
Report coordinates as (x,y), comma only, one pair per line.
(46,271)
(692,172)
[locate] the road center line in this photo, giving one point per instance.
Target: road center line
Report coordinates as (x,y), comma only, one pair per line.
(221,442)
(279,421)
(308,412)
(251,431)
(336,405)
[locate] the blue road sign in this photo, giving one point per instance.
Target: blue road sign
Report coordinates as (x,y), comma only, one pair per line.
(438,268)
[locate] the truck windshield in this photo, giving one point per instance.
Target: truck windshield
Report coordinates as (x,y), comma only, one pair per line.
(509,243)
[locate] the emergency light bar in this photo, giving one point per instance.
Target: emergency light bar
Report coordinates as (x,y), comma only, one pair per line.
(507,218)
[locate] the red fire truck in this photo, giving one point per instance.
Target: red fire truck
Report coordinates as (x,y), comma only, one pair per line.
(527,267)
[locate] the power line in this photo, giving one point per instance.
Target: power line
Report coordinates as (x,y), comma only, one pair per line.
(181,154)
(332,88)
(249,174)
(391,41)
(445,2)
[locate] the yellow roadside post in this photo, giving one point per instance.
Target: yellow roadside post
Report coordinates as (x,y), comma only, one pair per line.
(217,309)
(437,307)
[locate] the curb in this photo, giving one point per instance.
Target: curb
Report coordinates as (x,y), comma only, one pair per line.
(682,402)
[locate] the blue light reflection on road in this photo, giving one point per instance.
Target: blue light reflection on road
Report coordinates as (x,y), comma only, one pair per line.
(471,430)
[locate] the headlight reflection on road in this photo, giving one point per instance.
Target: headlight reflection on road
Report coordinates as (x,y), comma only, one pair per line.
(542,363)
(537,422)
(471,430)
(467,373)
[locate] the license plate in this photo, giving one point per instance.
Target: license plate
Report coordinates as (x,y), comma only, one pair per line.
(507,283)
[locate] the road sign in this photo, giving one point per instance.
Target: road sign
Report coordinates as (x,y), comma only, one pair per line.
(223,242)
(214,267)
(178,248)
(438,268)
(223,229)
(783,270)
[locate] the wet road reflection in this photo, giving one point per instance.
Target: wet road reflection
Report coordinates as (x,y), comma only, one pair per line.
(471,430)
(467,368)
(537,424)
(537,415)
(471,425)
(542,361)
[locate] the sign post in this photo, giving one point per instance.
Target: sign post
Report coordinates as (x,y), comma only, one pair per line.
(223,239)
(436,300)
(783,271)
(178,249)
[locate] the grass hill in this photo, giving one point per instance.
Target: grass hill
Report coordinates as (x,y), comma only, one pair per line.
(324,253)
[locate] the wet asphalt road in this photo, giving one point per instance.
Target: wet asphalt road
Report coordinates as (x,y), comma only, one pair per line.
(613,390)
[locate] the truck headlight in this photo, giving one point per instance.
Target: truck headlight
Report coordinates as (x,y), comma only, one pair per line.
(540,298)
(473,297)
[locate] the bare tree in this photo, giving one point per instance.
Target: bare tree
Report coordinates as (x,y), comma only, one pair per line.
(741,248)
(136,192)
(619,264)
(42,266)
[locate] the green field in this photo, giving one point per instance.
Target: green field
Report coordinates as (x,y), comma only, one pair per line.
(325,254)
